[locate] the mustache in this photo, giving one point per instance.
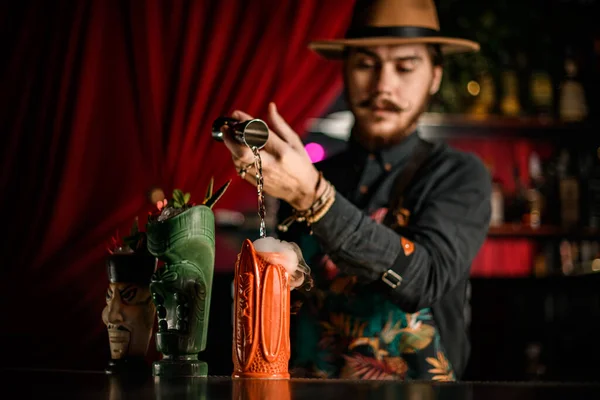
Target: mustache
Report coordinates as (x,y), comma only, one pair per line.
(380,102)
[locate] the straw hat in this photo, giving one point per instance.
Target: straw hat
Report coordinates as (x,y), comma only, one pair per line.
(393,22)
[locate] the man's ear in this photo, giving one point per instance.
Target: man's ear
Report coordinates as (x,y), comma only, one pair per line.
(437,79)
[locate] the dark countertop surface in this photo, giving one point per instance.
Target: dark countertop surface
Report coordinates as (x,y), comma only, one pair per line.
(65,384)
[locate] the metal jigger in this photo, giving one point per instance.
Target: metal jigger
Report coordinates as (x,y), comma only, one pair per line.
(252,133)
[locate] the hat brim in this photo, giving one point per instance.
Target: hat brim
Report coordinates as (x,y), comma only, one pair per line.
(334,49)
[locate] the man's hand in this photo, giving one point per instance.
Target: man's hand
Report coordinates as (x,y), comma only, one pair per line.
(288,172)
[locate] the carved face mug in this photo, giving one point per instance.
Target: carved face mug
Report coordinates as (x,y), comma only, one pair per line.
(129,312)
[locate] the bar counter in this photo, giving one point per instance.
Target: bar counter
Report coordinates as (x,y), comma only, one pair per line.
(41,384)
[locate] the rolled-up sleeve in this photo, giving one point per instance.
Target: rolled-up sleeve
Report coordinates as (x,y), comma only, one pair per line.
(447,232)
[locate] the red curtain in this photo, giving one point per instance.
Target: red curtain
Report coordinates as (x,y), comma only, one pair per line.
(103,100)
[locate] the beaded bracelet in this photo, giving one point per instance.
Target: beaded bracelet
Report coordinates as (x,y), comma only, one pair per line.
(314,213)
(320,213)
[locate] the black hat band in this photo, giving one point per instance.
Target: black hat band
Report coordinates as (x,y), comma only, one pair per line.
(391,31)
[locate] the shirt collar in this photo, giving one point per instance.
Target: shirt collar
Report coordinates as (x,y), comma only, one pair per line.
(391,156)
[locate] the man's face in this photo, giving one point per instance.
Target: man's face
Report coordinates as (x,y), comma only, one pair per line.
(388,87)
(129,317)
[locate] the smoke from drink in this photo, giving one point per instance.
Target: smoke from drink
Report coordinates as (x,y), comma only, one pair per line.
(288,255)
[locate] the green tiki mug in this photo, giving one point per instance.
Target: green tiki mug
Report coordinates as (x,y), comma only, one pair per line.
(182,288)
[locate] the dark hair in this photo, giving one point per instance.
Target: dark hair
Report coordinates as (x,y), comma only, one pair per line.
(435,52)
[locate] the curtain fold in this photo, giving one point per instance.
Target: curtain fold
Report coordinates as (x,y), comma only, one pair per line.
(103,100)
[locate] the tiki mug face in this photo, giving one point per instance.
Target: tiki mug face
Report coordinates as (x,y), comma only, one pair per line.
(129,312)
(180,294)
(181,289)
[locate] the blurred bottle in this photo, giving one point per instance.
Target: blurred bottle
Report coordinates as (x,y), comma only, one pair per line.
(569,191)
(497,198)
(497,217)
(551,192)
(576,257)
(595,265)
(547,261)
(594,80)
(572,106)
(541,93)
(595,245)
(566,258)
(534,193)
(586,255)
(540,265)
(541,88)
(519,206)
(592,198)
(510,105)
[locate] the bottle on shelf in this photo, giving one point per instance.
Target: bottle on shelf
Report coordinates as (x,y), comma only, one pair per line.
(586,252)
(595,264)
(592,193)
(540,264)
(572,106)
(497,197)
(541,90)
(567,264)
(579,257)
(510,105)
(547,261)
(509,100)
(541,93)
(568,191)
(519,205)
(550,192)
(534,193)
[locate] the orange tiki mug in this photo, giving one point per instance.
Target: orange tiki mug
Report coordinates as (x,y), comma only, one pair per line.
(261,335)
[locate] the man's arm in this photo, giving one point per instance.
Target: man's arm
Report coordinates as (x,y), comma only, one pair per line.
(447,234)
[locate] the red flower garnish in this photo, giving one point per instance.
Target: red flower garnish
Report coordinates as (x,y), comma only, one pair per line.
(161,204)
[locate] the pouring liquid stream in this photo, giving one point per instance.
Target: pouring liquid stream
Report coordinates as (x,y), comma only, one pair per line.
(259,189)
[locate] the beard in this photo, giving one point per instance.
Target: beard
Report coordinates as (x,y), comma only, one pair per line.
(365,132)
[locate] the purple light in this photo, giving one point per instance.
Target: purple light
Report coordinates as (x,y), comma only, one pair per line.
(315,151)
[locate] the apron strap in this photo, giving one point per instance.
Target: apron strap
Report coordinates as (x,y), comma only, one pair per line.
(418,158)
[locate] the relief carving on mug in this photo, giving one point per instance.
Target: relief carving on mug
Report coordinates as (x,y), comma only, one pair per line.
(246,309)
(262,306)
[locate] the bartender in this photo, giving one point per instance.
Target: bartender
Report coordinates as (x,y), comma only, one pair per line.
(391,225)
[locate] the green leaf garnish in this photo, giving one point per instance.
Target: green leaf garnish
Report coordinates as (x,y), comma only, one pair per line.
(218,194)
(209,190)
